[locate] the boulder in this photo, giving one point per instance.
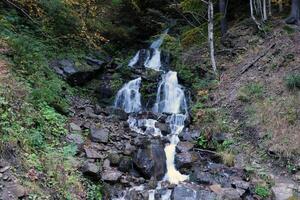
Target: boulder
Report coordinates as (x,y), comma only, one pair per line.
(230,194)
(76,74)
(129,149)
(93,151)
(184,147)
(91,170)
(111,175)
(150,160)
(99,135)
(191,192)
(184,160)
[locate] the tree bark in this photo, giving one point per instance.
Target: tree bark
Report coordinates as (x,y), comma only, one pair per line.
(223,11)
(211,34)
(294,14)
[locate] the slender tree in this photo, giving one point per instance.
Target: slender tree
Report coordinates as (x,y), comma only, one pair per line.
(294,14)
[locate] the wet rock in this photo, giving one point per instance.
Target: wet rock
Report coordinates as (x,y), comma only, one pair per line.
(119,113)
(114,158)
(91,170)
(74,127)
(75,139)
(150,160)
(99,135)
(189,135)
(111,175)
(203,177)
(282,191)
(164,128)
(184,160)
(125,164)
(184,147)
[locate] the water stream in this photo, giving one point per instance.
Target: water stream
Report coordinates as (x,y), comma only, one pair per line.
(170,99)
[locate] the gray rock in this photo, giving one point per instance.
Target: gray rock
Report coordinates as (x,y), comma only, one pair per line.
(241,184)
(99,135)
(184,160)
(164,128)
(91,170)
(74,127)
(282,191)
(183,192)
(150,160)
(93,151)
(111,175)
(184,147)
(76,139)
(219,137)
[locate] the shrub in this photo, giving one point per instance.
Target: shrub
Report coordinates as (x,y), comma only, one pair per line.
(292,81)
(262,191)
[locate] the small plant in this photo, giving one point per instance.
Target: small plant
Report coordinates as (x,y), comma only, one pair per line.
(292,81)
(262,191)
(227,158)
(202,142)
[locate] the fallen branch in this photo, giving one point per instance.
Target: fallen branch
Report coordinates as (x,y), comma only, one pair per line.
(206,151)
(249,65)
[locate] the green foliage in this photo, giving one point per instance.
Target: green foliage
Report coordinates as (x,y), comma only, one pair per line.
(202,142)
(94,192)
(292,81)
(262,191)
(251,91)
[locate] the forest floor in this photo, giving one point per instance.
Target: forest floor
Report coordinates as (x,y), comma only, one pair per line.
(264,111)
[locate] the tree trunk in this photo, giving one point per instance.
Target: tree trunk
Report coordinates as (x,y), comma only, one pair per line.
(252,14)
(223,11)
(265,15)
(211,34)
(270,7)
(294,15)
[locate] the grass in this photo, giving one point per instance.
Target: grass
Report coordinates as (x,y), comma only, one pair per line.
(292,81)
(251,92)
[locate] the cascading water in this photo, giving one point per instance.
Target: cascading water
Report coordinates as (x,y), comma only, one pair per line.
(171,99)
(129,97)
(152,61)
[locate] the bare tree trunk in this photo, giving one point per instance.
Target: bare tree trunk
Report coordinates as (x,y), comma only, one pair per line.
(252,15)
(223,9)
(265,16)
(294,15)
(211,34)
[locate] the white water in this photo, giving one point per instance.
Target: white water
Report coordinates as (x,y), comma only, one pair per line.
(129,97)
(171,99)
(134,60)
(154,61)
(135,125)
(170,96)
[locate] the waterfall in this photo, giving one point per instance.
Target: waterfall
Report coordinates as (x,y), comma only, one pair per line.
(170,96)
(152,61)
(129,97)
